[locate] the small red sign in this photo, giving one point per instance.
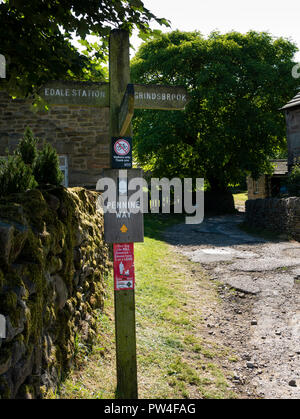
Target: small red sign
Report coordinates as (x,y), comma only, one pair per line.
(124,266)
(122,147)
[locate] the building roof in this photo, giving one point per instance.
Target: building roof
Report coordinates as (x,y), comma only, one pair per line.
(295,102)
(280,166)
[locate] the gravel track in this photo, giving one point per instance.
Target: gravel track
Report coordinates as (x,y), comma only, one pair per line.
(262,320)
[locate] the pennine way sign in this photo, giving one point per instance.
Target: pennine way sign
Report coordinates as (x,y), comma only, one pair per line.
(123,217)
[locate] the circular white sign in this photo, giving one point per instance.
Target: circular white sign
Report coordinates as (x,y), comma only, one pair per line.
(122,147)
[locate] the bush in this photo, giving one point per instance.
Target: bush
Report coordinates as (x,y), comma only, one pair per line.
(27,147)
(46,167)
(15,176)
(27,168)
(293,182)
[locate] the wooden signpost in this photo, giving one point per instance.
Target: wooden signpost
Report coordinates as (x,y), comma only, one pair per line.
(126,109)
(119,76)
(124,228)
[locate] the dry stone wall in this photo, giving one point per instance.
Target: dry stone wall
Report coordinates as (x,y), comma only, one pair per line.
(53,265)
(274,214)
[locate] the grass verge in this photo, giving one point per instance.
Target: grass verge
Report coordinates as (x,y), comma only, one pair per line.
(240,199)
(175,360)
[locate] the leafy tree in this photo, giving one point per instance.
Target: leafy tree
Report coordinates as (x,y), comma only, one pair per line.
(237,83)
(36,35)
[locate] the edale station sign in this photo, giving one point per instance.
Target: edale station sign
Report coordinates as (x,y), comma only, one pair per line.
(97,94)
(76,93)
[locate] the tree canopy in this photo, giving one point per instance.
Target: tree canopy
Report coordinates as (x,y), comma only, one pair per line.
(35,37)
(237,83)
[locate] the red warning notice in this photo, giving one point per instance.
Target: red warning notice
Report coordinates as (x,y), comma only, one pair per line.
(124,266)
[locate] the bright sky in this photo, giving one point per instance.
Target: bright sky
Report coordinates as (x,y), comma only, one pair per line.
(277,17)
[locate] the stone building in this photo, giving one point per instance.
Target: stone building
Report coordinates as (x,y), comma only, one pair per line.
(76,124)
(292,116)
(267,186)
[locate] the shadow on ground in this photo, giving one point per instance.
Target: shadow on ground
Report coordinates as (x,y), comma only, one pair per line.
(214,230)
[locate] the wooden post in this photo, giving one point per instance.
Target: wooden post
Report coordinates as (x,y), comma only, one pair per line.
(119,76)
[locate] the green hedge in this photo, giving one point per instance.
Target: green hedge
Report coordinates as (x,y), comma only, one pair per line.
(27,167)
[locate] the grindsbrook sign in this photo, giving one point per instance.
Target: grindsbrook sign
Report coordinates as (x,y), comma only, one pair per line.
(160,97)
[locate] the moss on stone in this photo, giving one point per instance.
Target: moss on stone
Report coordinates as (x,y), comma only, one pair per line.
(65,235)
(27,391)
(2,279)
(5,389)
(9,302)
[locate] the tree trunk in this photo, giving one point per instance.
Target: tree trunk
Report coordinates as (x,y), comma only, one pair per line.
(218,200)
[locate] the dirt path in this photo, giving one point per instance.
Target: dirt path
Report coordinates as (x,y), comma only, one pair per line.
(261,320)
